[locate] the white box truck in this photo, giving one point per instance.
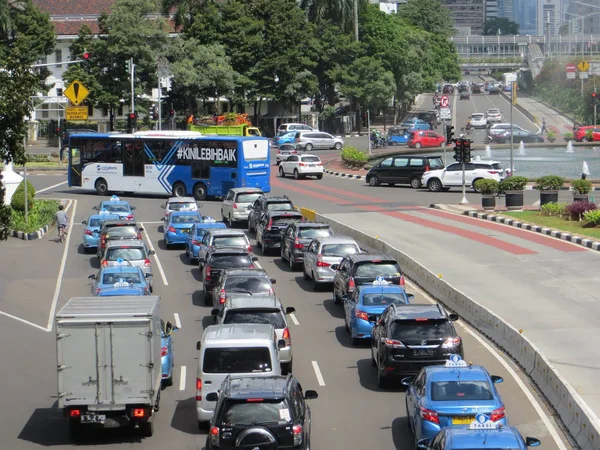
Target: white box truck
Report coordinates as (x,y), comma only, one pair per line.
(108,353)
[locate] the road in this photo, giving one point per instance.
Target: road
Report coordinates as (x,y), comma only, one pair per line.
(351,411)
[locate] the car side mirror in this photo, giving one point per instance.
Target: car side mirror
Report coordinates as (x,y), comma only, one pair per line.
(290,310)
(311,395)
(215,312)
(92,277)
(423,444)
(497,379)
(453,317)
(141,228)
(201,261)
(84,222)
(372,318)
(198,345)
(249,207)
(151,252)
(410,296)
(281,343)
(406,381)
(147,275)
(212,397)
(133,208)
(95,208)
(273,280)
(164,219)
(532,442)
(335,267)
(163,206)
(254,259)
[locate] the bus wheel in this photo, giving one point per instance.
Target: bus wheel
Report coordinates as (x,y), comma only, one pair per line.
(200,191)
(101,186)
(179,190)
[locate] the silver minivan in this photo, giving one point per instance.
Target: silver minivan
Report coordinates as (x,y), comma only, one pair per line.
(241,349)
(322,253)
(318,140)
(264,309)
(132,252)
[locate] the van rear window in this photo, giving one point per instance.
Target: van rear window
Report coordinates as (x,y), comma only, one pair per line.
(373,269)
(237,360)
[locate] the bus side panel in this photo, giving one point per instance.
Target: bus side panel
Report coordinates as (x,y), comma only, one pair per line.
(255,165)
(155,180)
(111,172)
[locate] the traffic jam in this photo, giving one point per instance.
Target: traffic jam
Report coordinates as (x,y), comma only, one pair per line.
(247,395)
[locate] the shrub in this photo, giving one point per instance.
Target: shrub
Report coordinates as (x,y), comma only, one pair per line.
(589,134)
(553,209)
(549,183)
(487,187)
(551,135)
(592,217)
(577,209)
(353,157)
(513,184)
(581,186)
(42,214)
(18,199)
(568,136)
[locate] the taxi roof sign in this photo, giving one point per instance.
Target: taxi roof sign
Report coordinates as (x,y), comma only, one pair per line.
(208,220)
(104,211)
(456,361)
(380,281)
(483,422)
(122,283)
(114,198)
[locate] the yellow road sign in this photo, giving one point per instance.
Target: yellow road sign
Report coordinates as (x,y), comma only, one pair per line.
(513,90)
(77,113)
(76,92)
(583,66)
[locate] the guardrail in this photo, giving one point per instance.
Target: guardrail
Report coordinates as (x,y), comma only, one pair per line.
(309,214)
(578,418)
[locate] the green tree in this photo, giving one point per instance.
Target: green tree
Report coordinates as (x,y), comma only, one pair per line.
(368,83)
(5,213)
(340,12)
(500,25)
(430,15)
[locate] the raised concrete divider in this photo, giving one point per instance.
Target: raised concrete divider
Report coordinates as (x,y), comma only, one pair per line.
(578,418)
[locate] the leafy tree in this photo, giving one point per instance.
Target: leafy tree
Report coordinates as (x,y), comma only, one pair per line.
(500,25)
(5,213)
(340,12)
(368,83)
(430,15)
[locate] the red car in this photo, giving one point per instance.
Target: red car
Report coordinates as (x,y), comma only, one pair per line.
(426,139)
(580,135)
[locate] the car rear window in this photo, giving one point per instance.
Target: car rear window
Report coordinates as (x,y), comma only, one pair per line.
(254,285)
(126,253)
(244,412)
(94,223)
(255,316)
(115,208)
(122,231)
(186,219)
(380,299)
(477,116)
(436,163)
(230,241)
(312,233)
(461,390)
(373,269)
(112,278)
(247,198)
(339,249)
(229,261)
(283,206)
(288,218)
(427,329)
(181,206)
(313,159)
(237,360)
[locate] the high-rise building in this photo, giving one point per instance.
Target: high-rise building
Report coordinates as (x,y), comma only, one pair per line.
(492,9)
(549,17)
(525,14)
(468,15)
(588,13)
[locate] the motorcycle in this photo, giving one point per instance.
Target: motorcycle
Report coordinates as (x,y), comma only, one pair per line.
(377,141)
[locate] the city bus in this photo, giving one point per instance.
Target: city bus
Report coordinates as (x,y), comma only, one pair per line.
(178,163)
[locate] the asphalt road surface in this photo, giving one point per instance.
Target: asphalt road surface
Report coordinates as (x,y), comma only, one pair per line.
(38,277)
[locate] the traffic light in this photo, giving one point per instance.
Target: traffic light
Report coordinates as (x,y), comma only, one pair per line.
(132,122)
(449,134)
(595,99)
(86,60)
(466,150)
(172,113)
(458,151)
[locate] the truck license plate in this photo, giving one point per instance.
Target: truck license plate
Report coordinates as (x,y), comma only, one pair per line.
(93,418)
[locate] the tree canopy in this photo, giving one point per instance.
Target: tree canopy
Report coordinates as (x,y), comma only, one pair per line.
(500,25)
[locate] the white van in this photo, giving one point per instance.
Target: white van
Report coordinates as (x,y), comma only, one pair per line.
(241,349)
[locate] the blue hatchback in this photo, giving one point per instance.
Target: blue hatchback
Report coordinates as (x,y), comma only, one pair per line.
(194,238)
(451,395)
(179,225)
(91,232)
(167,358)
(117,207)
(370,300)
(286,138)
(119,277)
(481,433)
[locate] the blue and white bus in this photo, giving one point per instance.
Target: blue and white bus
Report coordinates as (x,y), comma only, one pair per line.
(178,163)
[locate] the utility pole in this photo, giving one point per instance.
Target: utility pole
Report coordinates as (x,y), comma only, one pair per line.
(355,8)
(369,129)
(131,70)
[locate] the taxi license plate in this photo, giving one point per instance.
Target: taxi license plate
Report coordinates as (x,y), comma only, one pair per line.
(463,420)
(186,230)
(89,418)
(423,352)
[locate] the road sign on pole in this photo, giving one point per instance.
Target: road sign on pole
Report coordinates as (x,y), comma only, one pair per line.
(444,102)
(77,113)
(583,66)
(76,92)
(571,69)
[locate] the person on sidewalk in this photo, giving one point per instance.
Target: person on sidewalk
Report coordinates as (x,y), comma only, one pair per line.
(543,130)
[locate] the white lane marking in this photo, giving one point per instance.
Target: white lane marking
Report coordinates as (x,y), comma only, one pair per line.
(51,187)
(158,264)
(182,378)
(294,319)
(319,375)
(547,422)
(177,320)
(27,322)
(62,266)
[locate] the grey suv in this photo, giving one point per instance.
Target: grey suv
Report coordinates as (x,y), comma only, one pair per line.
(324,252)
(297,237)
(318,140)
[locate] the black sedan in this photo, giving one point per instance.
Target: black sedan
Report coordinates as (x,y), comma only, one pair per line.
(477,89)
(518,136)
(465,95)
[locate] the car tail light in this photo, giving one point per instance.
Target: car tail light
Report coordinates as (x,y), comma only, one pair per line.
(234,206)
(98,290)
(297,244)
(429,415)
(214,436)
(270,224)
(222,297)
(207,273)
(171,229)
(139,236)
(89,232)
(146,291)
(320,262)
(287,337)
(351,285)
(75,413)
(146,262)
(427,169)
(139,412)
(361,314)
(249,248)
(402,281)
(498,414)
(297,429)
(164,351)
(105,263)
(294,152)
(195,242)
(271,291)
(198,389)
(451,342)
(302,164)
(129,217)
(493,172)
(393,343)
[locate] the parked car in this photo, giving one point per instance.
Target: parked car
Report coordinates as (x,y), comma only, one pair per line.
(289,127)
(426,139)
(451,176)
(266,203)
(271,226)
(405,169)
(478,120)
(234,207)
(581,133)
(318,140)
(296,238)
(324,252)
(301,166)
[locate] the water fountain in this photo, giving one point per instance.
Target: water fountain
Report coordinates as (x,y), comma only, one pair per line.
(570,147)
(521,149)
(488,151)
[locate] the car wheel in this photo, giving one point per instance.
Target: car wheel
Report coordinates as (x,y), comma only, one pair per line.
(346,325)
(147,428)
(286,368)
(207,299)
(338,146)
(415,183)
(282,253)
(475,181)
(336,299)
(291,262)
(434,185)
(373,362)
(101,186)
(296,174)
(418,145)
(374,181)
(265,251)
(308,147)
(305,274)
(355,342)
(382,381)
(231,222)
(179,190)
(408,424)
(281,172)
(320,176)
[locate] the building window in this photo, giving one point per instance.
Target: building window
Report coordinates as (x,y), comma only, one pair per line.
(120,112)
(105,112)
(90,109)
(59,92)
(45,112)
(58,57)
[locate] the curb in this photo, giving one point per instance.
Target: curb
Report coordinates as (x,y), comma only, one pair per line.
(344,175)
(585,242)
(39,234)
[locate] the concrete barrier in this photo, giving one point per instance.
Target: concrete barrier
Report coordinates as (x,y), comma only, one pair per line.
(309,214)
(581,422)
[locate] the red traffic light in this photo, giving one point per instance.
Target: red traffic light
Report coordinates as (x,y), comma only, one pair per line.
(86,55)
(132,115)
(594,94)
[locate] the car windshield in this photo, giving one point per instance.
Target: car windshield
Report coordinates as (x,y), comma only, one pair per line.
(373,269)
(247,198)
(257,316)
(436,163)
(229,261)
(339,249)
(121,231)
(311,159)
(251,284)
(280,207)
(126,253)
(115,208)
(237,360)
(185,219)
(311,233)
(383,299)
(244,413)
(129,277)
(443,391)
(413,330)
(230,241)
(179,206)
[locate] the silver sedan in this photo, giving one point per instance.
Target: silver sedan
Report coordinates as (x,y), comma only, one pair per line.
(322,253)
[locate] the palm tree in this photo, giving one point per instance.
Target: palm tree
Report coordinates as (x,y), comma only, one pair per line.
(340,12)
(183,11)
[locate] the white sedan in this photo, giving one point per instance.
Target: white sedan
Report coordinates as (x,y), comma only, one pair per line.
(478,120)
(301,166)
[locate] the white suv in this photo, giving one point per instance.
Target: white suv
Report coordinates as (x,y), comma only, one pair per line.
(451,176)
(301,166)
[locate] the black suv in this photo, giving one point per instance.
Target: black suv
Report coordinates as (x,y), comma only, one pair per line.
(363,268)
(404,169)
(220,259)
(407,338)
(266,203)
(271,226)
(297,237)
(263,413)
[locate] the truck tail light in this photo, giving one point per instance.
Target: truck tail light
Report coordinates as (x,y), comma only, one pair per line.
(297,244)
(351,285)
(287,337)
(498,414)
(198,389)
(361,314)
(320,262)
(75,413)
(297,430)
(207,273)
(429,415)
(139,412)
(146,262)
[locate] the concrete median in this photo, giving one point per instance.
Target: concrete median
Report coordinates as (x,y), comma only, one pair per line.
(577,417)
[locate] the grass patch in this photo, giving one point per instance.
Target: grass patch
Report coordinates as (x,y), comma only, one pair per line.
(40,215)
(569,226)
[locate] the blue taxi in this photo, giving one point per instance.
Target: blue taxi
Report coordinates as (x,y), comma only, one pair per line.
(167,360)
(91,232)
(370,300)
(451,395)
(123,290)
(481,433)
(118,207)
(179,225)
(194,238)
(120,276)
